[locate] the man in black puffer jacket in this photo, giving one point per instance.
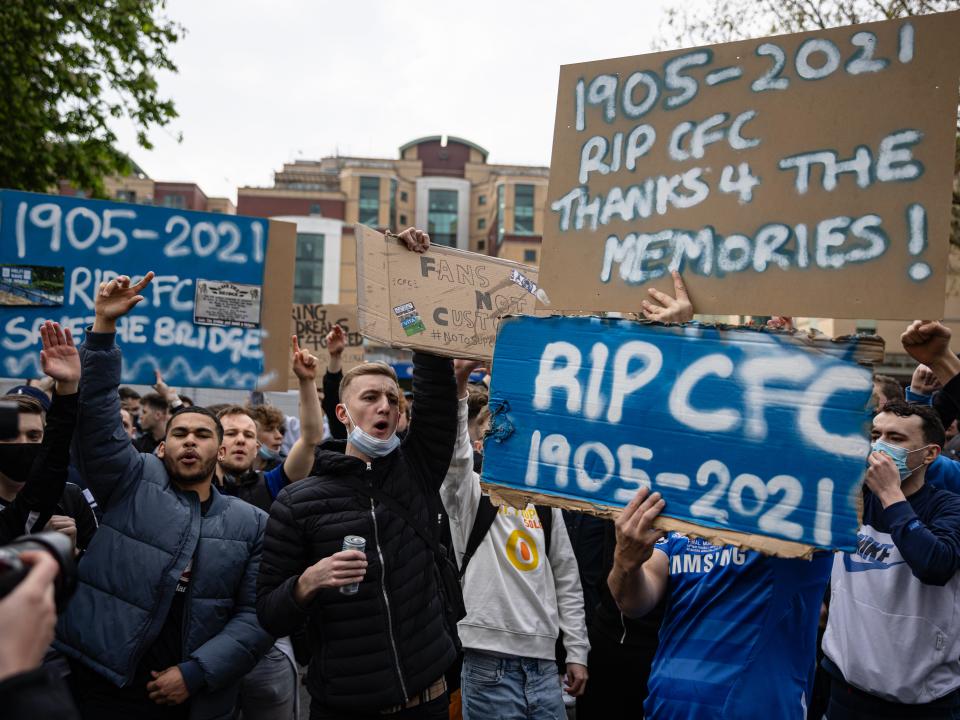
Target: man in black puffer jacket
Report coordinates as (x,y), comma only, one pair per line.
(386,648)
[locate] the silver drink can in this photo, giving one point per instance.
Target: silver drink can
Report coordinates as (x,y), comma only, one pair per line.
(352,542)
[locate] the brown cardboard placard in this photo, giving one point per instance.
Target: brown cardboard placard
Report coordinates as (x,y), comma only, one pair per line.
(311,323)
(277,299)
(445,301)
(702,159)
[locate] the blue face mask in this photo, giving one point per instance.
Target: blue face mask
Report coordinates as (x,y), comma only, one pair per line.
(369,445)
(898,455)
(266,453)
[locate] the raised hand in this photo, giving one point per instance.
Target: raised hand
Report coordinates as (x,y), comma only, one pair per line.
(668,309)
(462,369)
(59,357)
(781,322)
(164,390)
(336,340)
(304,362)
(928,342)
(924,382)
(115,299)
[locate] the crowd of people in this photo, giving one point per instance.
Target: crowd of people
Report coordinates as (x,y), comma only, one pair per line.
(220,550)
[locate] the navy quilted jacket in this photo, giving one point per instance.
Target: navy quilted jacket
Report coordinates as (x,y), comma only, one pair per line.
(149,532)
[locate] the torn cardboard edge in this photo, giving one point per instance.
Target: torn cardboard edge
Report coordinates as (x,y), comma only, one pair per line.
(519,499)
(868,351)
(377,310)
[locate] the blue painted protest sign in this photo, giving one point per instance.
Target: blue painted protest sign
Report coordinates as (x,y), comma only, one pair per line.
(740,430)
(201,322)
(769,169)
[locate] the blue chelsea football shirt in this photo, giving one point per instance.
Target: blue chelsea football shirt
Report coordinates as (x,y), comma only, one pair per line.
(739,634)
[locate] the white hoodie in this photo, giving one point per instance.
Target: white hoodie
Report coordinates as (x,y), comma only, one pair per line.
(516,600)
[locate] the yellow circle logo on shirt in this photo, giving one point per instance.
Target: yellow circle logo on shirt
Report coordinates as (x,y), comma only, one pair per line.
(522,551)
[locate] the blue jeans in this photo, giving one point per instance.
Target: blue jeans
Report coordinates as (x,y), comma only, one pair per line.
(513,688)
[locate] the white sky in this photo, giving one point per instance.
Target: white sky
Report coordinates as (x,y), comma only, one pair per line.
(263,83)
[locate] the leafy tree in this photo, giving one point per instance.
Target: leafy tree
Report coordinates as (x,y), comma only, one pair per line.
(67,67)
(719,21)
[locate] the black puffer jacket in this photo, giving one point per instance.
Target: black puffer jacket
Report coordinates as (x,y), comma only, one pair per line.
(375,649)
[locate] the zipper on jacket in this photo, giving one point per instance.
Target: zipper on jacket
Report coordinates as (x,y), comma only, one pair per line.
(386,599)
(623,624)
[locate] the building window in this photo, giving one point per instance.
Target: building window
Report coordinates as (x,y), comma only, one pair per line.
(403,196)
(866,327)
(523,209)
(370,201)
(315,209)
(127,195)
(481,223)
(529,256)
(501,214)
(481,244)
(403,221)
(174,201)
(393,204)
(308,276)
(442,217)
(482,200)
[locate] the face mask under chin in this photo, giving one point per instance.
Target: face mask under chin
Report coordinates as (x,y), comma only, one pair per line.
(364,442)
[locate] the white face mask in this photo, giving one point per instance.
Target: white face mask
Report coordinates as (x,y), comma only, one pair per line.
(368,444)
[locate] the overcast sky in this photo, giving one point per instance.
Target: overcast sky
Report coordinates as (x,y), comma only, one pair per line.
(263,83)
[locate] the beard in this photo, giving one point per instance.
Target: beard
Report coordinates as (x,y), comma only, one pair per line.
(202,473)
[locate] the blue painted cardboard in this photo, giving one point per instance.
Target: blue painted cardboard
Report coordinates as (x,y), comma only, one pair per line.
(742,431)
(96,240)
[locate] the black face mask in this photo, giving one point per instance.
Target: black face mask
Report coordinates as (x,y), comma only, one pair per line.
(477,462)
(16,460)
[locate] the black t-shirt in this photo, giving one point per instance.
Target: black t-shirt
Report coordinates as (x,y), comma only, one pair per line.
(97,693)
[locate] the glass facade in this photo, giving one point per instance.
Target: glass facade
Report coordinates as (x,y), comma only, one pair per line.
(501,214)
(393,205)
(523,209)
(369,211)
(308,272)
(442,217)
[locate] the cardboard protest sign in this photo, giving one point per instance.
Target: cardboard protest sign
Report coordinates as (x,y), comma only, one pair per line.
(806,174)
(311,323)
(446,301)
(207,320)
(753,438)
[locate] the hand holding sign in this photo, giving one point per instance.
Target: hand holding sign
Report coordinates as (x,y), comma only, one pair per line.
(59,357)
(115,299)
(636,534)
(669,310)
(304,363)
(415,240)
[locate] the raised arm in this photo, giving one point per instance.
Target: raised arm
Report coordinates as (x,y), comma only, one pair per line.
(639,576)
(299,461)
(336,342)
(460,491)
(104,453)
(37,501)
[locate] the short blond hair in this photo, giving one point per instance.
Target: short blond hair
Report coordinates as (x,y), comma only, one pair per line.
(368,368)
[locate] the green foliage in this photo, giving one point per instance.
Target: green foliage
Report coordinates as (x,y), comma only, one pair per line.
(67,67)
(719,21)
